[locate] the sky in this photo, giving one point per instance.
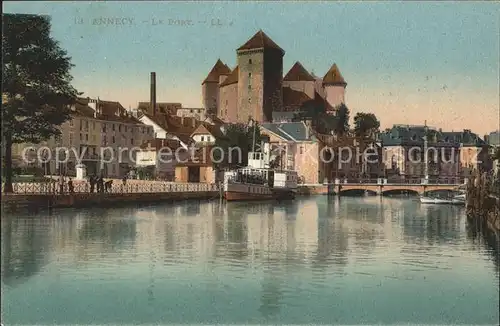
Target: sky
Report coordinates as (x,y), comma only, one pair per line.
(408,63)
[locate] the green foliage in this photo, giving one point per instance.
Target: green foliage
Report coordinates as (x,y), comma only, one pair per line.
(366,124)
(36,89)
(342,117)
(496,154)
(315,111)
(237,136)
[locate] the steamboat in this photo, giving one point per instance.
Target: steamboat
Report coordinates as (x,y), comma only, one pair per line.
(258,181)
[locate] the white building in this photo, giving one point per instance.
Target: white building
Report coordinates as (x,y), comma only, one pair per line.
(102,135)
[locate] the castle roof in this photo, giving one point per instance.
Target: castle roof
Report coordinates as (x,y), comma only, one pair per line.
(232,78)
(260,41)
(298,73)
(218,69)
(334,77)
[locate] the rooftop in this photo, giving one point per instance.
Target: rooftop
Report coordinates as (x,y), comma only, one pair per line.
(298,73)
(232,78)
(218,69)
(260,41)
(290,131)
(334,77)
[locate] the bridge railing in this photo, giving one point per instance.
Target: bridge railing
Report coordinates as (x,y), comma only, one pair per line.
(54,188)
(381,181)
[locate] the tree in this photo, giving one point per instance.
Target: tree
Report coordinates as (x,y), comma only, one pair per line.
(315,111)
(342,120)
(238,138)
(37,93)
(366,124)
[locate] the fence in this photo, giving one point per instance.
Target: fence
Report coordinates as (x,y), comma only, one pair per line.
(433,181)
(40,188)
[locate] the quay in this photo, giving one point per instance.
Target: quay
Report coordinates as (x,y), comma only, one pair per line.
(48,195)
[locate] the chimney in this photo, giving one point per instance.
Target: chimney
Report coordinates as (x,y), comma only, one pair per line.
(152,99)
(308,130)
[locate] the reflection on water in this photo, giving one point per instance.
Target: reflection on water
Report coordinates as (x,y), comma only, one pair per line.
(213,262)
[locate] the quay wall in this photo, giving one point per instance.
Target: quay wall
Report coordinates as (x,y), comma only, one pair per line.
(81,200)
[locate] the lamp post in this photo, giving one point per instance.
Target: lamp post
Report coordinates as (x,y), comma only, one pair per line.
(426,163)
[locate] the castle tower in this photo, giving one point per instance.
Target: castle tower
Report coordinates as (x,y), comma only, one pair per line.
(300,80)
(334,85)
(260,78)
(210,87)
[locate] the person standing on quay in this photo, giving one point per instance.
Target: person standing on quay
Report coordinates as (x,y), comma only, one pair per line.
(71,187)
(92,182)
(61,185)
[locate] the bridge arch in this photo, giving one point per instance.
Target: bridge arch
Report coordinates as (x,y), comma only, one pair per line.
(401,190)
(356,191)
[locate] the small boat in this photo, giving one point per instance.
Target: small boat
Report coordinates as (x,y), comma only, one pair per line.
(455,200)
(434,200)
(258,181)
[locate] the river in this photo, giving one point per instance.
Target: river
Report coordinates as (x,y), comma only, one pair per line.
(317,260)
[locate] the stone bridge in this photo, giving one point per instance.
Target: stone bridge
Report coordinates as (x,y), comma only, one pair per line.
(380,189)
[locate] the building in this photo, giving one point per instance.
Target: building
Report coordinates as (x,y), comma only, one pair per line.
(197,113)
(256,87)
(474,151)
(295,147)
(169,108)
(102,135)
(159,158)
(451,155)
(198,167)
(350,157)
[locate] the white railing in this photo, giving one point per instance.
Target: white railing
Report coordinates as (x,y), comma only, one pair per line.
(40,188)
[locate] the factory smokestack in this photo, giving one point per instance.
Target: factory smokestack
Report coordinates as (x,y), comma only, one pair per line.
(152,99)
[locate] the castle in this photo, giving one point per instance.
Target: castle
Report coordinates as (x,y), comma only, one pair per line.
(256,89)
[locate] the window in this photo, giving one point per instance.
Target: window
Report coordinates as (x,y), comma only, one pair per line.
(71,123)
(120,128)
(113,139)
(86,125)
(301,150)
(87,137)
(126,128)
(202,138)
(132,141)
(93,125)
(208,138)
(249,61)
(81,136)
(249,75)
(227,102)
(104,127)
(70,139)
(113,127)
(191,111)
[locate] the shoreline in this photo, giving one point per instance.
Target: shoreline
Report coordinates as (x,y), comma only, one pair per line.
(13,202)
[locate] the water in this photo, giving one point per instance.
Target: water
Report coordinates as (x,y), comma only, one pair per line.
(317,260)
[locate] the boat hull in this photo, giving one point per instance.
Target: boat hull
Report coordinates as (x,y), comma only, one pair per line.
(427,200)
(242,192)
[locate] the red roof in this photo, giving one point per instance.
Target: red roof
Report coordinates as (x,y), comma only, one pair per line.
(334,77)
(260,41)
(232,78)
(298,73)
(217,70)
